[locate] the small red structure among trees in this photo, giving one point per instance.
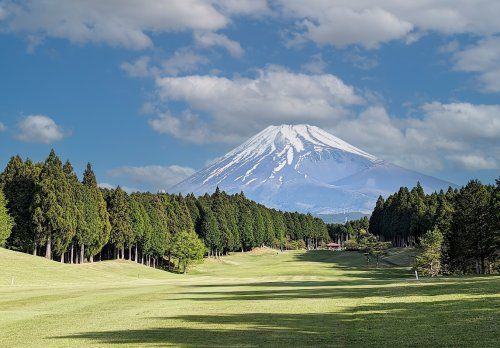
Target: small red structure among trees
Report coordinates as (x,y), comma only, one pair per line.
(333,246)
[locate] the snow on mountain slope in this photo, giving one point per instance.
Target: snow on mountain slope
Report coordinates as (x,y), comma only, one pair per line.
(304,168)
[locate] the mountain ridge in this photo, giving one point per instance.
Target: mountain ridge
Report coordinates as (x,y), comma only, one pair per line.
(304,168)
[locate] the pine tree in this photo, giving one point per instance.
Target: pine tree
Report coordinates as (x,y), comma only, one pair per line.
(429,261)
(471,242)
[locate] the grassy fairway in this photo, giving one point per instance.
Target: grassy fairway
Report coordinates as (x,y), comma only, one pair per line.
(260,298)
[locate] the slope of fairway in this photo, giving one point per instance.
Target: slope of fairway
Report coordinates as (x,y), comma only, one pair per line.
(27,270)
(260,298)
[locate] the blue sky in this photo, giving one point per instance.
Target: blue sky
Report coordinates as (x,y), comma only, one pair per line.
(150,91)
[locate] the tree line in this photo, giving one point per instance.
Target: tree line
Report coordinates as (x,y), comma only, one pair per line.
(48,211)
(458,229)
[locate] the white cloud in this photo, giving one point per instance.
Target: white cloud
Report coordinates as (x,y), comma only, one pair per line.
(474,161)
(458,135)
(3,12)
(127,189)
(316,65)
(3,127)
(106,185)
(360,61)
(159,177)
(125,23)
(190,128)
(361,22)
(243,7)
(39,129)
(210,39)
(240,106)
(138,68)
(183,60)
(482,58)
(341,27)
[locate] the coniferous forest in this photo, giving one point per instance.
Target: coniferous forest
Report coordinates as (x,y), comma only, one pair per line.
(52,213)
(46,210)
(458,230)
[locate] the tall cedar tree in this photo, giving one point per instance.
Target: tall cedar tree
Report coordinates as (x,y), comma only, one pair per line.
(19,180)
(94,227)
(119,217)
(52,218)
(76,205)
(6,221)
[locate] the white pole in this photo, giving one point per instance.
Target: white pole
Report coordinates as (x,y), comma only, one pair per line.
(416,274)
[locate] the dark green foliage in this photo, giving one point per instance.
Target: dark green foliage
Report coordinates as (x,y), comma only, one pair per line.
(209,230)
(19,181)
(472,240)
(77,220)
(467,218)
(94,227)
(6,221)
(120,219)
(52,216)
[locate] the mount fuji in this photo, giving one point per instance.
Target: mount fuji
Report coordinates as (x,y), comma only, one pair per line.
(303,168)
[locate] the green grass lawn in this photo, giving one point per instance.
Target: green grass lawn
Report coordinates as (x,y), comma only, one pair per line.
(315,298)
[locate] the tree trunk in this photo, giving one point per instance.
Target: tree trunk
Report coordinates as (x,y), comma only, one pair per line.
(34,250)
(82,253)
(48,248)
(71,254)
(91,259)
(114,252)
(62,258)
(123,252)
(136,259)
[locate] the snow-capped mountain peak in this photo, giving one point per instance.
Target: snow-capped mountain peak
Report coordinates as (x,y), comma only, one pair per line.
(299,167)
(297,138)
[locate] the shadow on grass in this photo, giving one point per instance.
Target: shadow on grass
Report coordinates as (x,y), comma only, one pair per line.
(352,260)
(337,290)
(354,282)
(467,322)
